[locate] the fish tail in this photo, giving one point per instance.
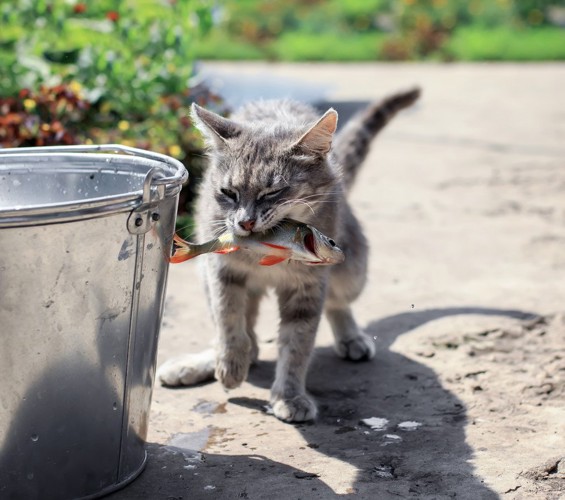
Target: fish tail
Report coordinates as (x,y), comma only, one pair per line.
(182,250)
(352,144)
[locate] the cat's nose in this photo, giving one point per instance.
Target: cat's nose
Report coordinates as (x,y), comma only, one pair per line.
(247,224)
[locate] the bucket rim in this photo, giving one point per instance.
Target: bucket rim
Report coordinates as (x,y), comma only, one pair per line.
(167,177)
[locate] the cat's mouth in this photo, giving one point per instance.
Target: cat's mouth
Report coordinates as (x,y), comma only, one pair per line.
(239,231)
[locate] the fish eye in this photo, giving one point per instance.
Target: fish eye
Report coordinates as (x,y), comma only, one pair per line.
(331,242)
(228,193)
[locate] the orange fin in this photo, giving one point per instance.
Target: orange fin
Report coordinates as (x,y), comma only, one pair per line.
(181,250)
(272,245)
(271,260)
(227,250)
(180,255)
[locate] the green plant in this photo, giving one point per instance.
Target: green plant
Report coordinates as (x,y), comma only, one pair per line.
(535,12)
(99,72)
(47,117)
(123,54)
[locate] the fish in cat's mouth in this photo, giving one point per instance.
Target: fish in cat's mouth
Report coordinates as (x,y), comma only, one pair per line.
(324,249)
(288,240)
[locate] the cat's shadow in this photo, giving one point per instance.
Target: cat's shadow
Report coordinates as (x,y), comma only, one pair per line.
(398,389)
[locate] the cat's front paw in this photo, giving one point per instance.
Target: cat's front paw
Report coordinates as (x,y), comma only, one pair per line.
(358,348)
(301,408)
(188,369)
(232,367)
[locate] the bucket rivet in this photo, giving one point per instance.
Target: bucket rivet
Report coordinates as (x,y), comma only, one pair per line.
(155,216)
(139,222)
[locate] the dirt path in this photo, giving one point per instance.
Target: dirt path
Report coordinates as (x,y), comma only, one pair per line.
(463,200)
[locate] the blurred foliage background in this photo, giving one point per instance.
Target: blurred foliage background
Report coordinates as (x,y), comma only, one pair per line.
(390,30)
(75,72)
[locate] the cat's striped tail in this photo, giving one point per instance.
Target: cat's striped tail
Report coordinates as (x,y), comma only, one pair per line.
(352,144)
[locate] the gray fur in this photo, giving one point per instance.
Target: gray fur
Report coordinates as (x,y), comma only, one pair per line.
(266,147)
(353,143)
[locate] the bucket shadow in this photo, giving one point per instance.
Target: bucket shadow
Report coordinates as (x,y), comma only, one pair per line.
(178,474)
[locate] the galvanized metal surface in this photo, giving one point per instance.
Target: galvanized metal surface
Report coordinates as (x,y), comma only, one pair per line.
(81,299)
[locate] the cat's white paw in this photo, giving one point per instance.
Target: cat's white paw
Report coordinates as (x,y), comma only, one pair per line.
(356,349)
(232,366)
(188,369)
(301,408)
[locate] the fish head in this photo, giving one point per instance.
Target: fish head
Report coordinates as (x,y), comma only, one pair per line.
(324,250)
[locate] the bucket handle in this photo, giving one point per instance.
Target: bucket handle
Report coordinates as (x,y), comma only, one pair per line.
(145,215)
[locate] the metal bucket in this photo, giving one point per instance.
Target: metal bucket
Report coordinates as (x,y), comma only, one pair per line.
(84,234)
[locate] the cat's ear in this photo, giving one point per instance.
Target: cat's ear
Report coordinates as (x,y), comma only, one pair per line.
(214,127)
(318,139)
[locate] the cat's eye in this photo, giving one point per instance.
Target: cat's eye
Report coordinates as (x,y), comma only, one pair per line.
(228,193)
(271,194)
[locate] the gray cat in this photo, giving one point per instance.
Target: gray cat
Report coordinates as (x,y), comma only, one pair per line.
(273,160)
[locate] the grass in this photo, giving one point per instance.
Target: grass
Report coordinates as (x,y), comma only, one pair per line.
(293,46)
(465,44)
(506,44)
(217,45)
(335,46)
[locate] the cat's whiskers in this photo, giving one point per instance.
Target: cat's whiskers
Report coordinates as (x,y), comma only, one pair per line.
(312,197)
(309,205)
(218,222)
(216,227)
(319,195)
(297,201)
(182,228)
(219,231)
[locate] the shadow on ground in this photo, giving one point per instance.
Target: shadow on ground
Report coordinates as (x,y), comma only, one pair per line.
(431,461)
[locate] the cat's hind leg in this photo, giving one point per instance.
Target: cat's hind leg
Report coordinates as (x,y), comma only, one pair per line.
(346,283)
(350,342)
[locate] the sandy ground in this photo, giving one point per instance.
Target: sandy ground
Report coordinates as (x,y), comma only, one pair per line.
(463,201)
